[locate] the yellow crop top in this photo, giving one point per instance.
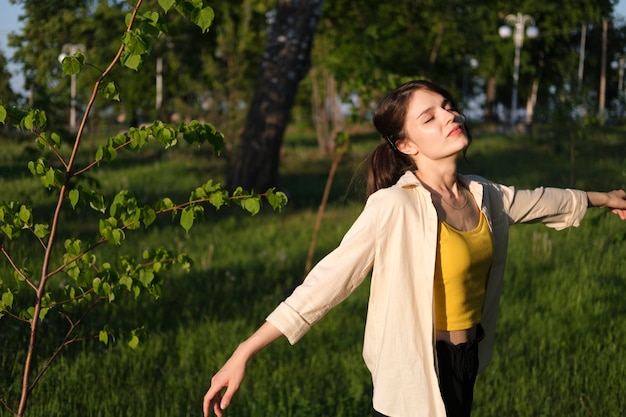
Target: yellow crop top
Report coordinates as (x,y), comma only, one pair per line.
(461,269)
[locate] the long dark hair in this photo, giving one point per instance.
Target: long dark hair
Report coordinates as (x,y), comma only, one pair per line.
(386,163)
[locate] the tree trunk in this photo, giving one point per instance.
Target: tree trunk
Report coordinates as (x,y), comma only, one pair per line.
(325,108)
(489,111)
(285,62)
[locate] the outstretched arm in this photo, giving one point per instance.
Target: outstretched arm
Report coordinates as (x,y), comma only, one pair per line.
(233,371)
(614,200)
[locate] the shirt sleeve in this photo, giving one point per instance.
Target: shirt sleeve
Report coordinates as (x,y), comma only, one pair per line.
(331,281)
(554,207)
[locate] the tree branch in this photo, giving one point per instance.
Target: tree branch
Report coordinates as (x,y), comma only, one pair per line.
(28,281)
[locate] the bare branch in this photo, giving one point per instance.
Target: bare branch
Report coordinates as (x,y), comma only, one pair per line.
(5,405)
(28,281)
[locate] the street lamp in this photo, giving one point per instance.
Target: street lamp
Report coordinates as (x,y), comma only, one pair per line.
(67,50)
(518,22)
(619,65)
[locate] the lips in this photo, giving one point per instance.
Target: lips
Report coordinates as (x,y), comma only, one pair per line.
(456,131)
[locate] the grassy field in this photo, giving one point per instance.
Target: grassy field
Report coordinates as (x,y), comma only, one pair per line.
(560,339)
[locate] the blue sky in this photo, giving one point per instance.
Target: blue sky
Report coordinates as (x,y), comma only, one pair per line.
(9,23)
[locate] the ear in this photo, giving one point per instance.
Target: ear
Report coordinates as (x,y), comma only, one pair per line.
(407,147)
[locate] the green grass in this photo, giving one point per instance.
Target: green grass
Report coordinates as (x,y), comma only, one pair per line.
(559,341)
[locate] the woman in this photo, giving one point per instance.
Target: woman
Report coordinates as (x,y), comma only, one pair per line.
(435,242)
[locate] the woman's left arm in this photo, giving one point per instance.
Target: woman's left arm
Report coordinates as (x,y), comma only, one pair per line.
(614,200)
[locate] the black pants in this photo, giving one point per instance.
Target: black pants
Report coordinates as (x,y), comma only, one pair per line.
(458,367)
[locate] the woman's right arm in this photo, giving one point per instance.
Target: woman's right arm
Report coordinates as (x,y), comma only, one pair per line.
(231,374)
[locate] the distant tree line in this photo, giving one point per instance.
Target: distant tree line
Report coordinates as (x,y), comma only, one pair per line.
(263,57)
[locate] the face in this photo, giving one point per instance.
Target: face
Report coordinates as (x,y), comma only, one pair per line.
(432,129)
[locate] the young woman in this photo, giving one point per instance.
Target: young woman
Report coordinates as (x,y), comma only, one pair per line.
(435,242)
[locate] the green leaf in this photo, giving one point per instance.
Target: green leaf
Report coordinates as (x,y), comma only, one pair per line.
(33,119)
(25,215)
(187,218)
(185,262)
(96,285)
(165,203)
(28,122)
(110,91)
(42,230)
(166,4)
(148,216)
(133,342)
(28,313)
(74,196)
(131,61)
(252,205)
(127,282)
(73,271)
(96,202)
(7,299)
(146,277)
(277,200)
(103,336)
(3,114)
(99,153)
(218,199)
(48,179)
(203,18)
(136,291)
(73,64)
(118,236)
(55,139)
(9,231)
(43,312)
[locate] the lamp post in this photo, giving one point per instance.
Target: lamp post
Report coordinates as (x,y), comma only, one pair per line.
(67,50)
(518,22)
(619,64)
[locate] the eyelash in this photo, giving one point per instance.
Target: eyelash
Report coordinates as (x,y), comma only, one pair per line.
(449,109)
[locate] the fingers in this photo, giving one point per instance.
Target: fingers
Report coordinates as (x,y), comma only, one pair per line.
(618,204)
(212,401)
(620,213)
(228,396)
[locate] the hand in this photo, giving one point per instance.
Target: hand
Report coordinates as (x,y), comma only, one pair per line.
(229,377)
(617,203)
(233,371)
(614,200)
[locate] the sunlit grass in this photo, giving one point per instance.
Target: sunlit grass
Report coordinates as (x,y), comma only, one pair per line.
(560,334)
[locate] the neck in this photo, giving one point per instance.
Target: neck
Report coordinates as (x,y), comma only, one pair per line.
(442,180)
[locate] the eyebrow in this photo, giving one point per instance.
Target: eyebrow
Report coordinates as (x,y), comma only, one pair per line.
(427,110)
(444,103)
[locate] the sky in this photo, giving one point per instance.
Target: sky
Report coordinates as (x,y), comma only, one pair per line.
(9,23)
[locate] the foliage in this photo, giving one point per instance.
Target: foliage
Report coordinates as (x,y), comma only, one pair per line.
(192,63)
(5,81)
(562,289)
(86,280)
(379,44)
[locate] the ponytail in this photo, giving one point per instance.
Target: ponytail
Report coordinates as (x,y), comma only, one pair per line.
(385,167)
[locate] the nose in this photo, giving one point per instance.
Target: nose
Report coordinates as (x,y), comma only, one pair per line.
(450,115)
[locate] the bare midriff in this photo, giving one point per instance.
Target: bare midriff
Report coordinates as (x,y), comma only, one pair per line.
(456,337)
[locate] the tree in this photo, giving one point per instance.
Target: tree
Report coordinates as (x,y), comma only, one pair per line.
(97,24)
(238,36)
(285,62)
(87,280)
(6,92)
